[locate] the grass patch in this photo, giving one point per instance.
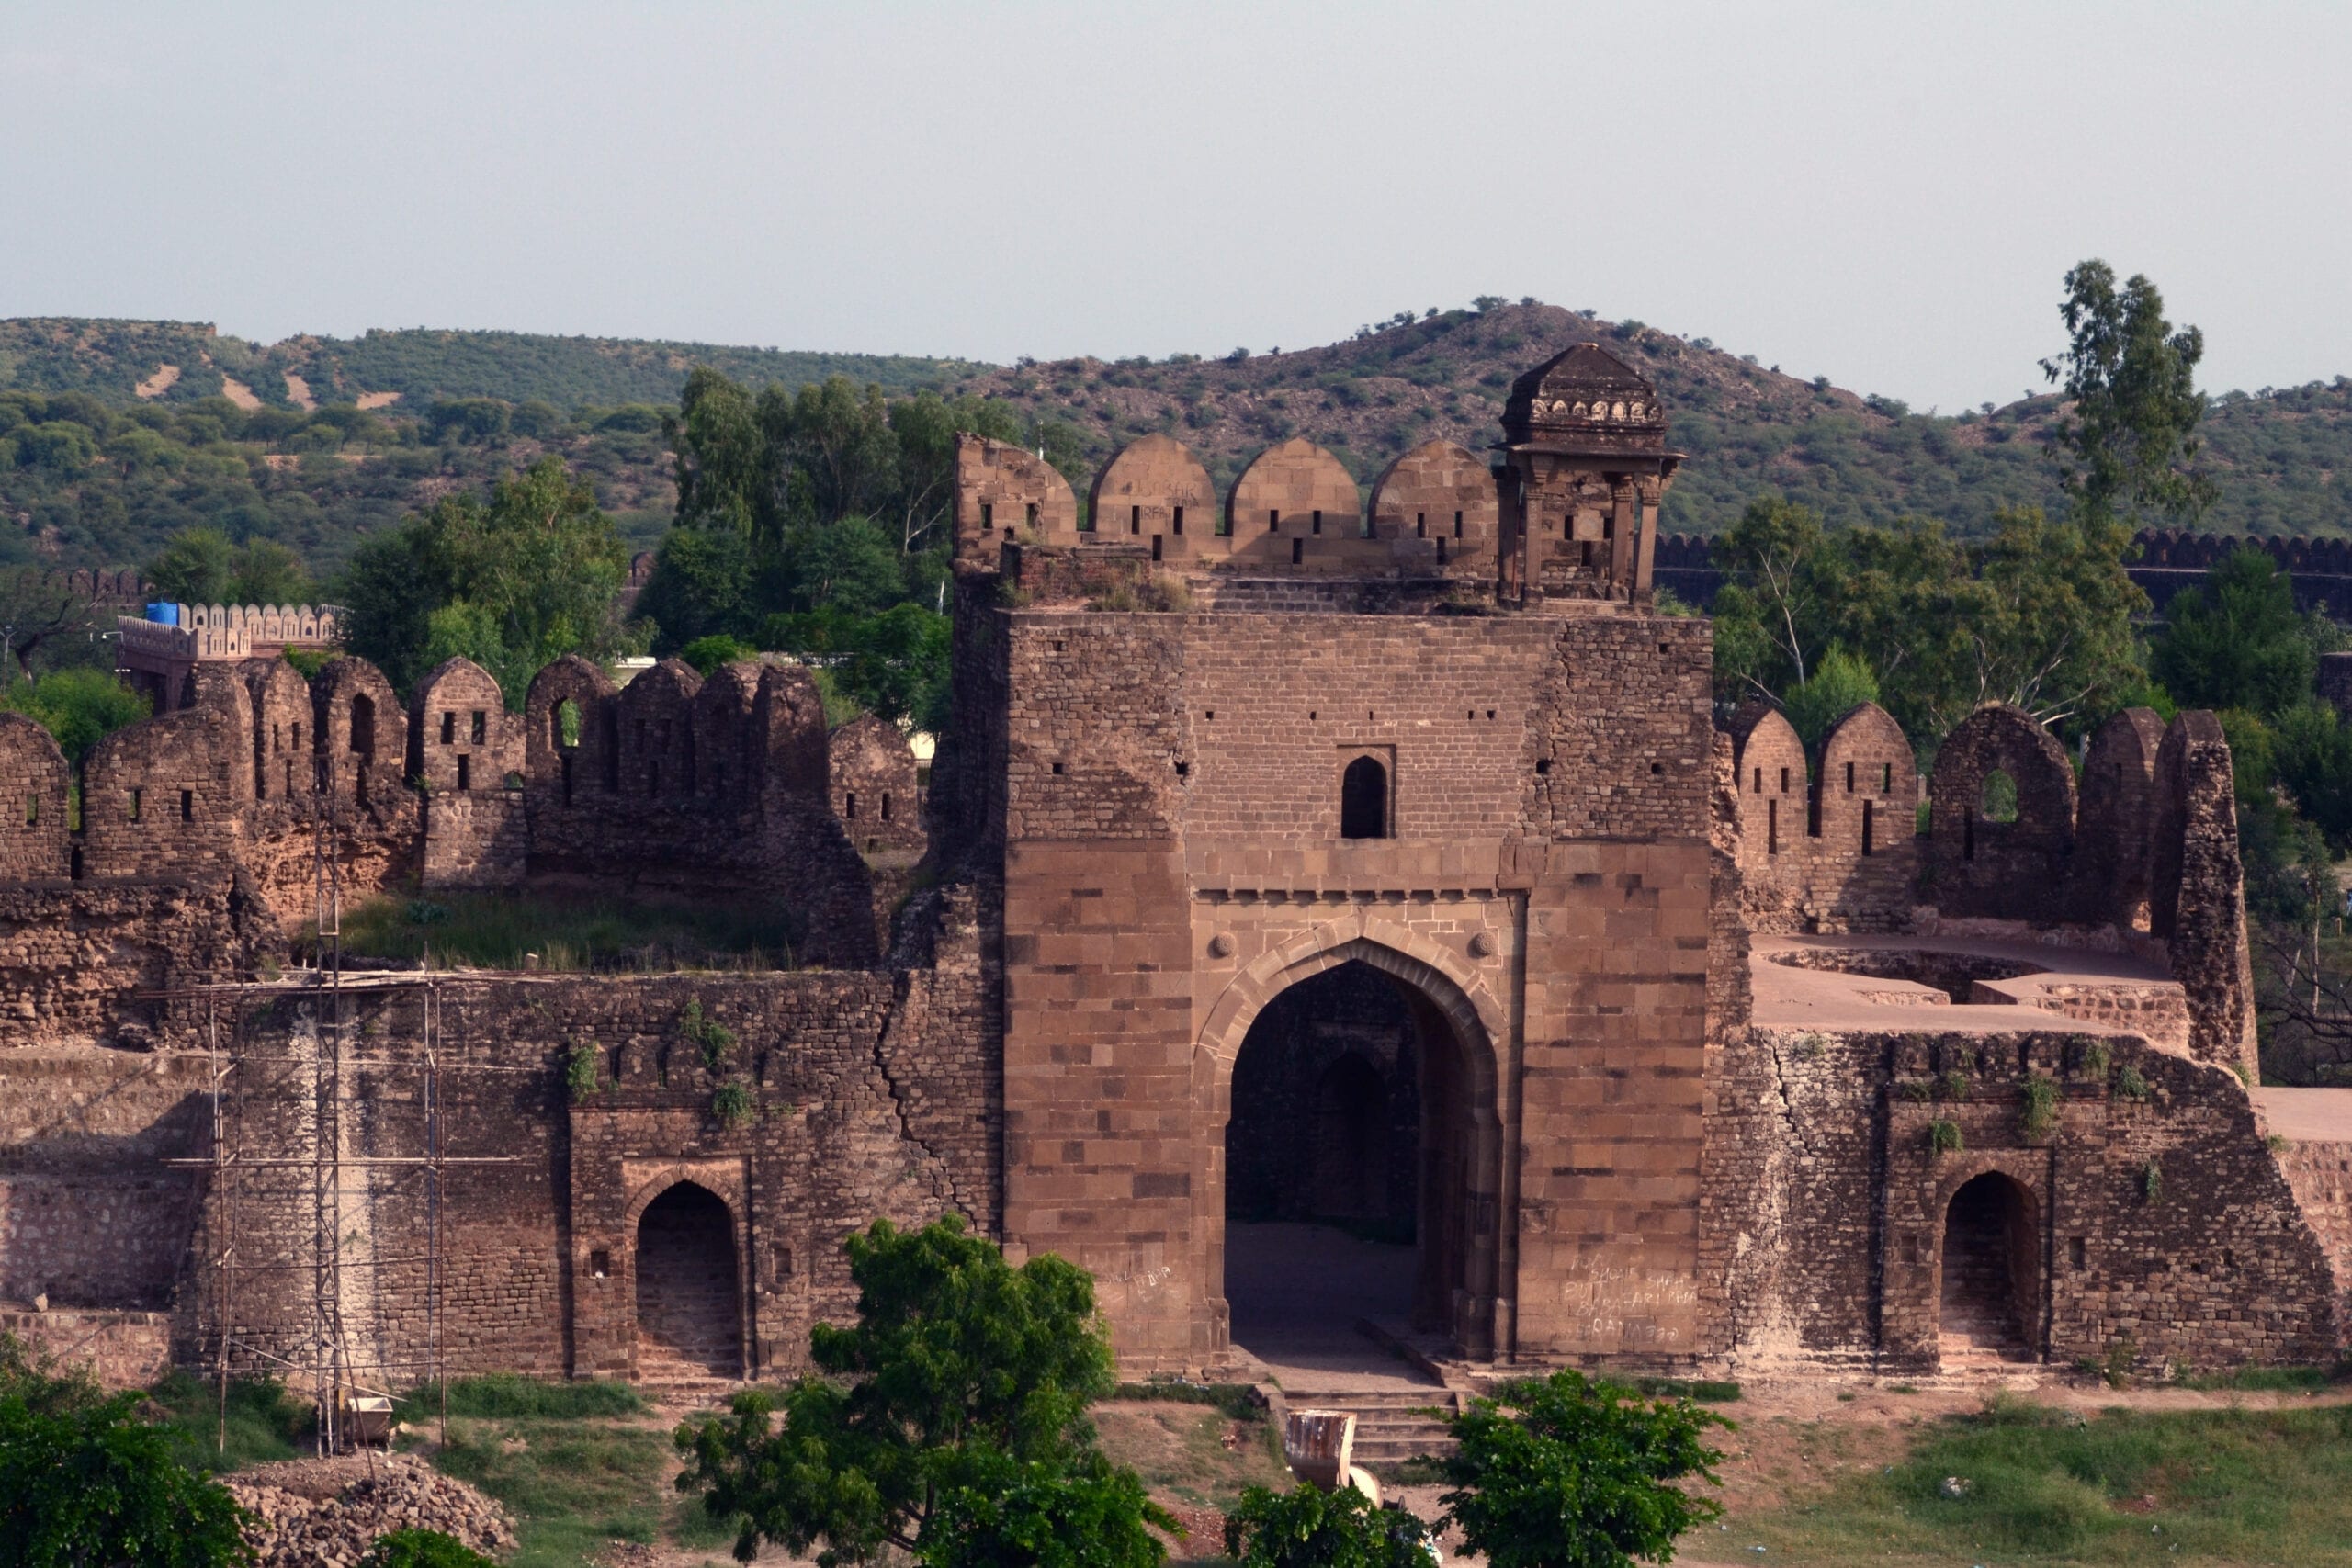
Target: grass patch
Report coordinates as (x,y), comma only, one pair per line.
(266,1423)
(2235,1486)
(2272,1379)
(1237,1400)
(506,1396)
(1191,1453)
(492,930)
(572,1486)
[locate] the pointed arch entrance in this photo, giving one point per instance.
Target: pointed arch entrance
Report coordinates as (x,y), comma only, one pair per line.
(1988,1284)
(1352,1087)
(689,1294)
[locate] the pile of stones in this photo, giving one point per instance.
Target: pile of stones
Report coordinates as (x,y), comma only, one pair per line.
(322,1514)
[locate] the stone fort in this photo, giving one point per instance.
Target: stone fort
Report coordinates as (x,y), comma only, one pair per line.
(1294,856)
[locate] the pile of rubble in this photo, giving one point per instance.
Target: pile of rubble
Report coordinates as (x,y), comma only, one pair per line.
(307,1513)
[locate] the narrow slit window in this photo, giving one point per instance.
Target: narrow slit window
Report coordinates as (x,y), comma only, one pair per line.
(1030,516)
(448,729)
(1850,778)
(1273,521)
(1298,551)
(187,805)
(1135,519)
(849,807)
(1772,827)
(1176,523)
(1440,552)
(1155,547)
(1869,826)
(886,805)
(1760,781)
(1457,525)
(1319,520)
(465,773)
(988,516)
(1784,781)
(136,802)
(1420,524)
(32,810)
(480,727)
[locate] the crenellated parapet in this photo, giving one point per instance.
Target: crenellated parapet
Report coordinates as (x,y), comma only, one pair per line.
(1565,508)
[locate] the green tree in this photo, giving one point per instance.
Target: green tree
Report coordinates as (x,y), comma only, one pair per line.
(848,565)
(193,567)
(1766,631)
(706,654)
(704,583)
(1841,682)
(44,617)
(926,426)
(83,1481)
(960,1373)
(1308,1528)
(1562,1472)
(2238,641)
(79,707)
(512,582)
(2129,437)
(1086,1512)
(262,571)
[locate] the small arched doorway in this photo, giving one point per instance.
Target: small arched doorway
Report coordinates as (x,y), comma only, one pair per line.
(1351,1150)
(689,1314)
(1363,799)
(1989,1277)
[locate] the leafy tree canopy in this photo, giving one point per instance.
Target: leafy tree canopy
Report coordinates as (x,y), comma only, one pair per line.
(947,1416)
(78,707)
(2129,438)
(1563,1473)
(1308,1528)
(83,1480)
(199,566)
(2238,641)
(2040,615)
(422,1549)
(511,582)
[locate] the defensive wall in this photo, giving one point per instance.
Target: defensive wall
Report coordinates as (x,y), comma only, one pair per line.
(1291,855)
(2162,561)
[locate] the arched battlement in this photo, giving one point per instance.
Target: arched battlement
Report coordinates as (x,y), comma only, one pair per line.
(1863,826)
(1005,492)
(565,758)
(362,734)
(1436,507)
(2115,820)
(157,798)
(284,734)
(460,737)
(1296,505)
(33,780)
(1983,865)
(872,785)
(657,733)
(1155,489)
(1774,848)
(725,713)
(789,738)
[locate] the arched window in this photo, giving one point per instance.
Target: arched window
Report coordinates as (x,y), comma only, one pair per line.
(2000,796)
(1364,800)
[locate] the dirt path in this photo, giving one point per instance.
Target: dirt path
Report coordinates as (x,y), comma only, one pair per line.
(299,392)
(237,392)
(162,381)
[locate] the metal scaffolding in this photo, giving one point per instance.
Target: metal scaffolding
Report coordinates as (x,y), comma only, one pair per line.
(323,1000)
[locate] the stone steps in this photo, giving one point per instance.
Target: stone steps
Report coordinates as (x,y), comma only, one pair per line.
(1392,1425)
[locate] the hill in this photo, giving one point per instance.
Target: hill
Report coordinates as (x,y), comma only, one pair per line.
(113,434)
(2281,458)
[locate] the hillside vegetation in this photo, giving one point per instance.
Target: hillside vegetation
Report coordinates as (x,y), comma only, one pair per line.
(113,434)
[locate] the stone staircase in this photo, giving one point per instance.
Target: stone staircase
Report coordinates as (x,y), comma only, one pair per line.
(1392,1425)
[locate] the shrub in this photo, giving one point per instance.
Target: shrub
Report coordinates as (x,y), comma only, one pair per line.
(1943,1136)
(2130,1084)
(2152,1182)
(422,1549)
(732,1105)
(709,1036)
(1565,1471)
(83,1480)
(2039,1093)
(1312,1528)
(707,653)
(579,1074)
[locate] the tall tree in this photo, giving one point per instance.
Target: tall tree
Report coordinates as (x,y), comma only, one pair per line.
(41,610)
(2129,437)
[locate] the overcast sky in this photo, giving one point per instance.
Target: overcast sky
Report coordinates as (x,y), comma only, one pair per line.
(1888,194)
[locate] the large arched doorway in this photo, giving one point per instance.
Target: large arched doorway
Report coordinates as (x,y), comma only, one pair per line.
(1349,1153)
(1989,1283)
(689,1316)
